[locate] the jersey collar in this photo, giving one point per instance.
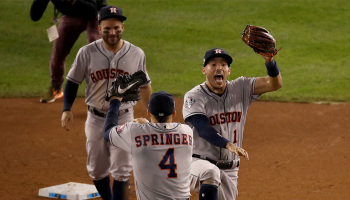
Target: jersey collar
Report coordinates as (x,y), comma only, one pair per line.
(122,51)
(217,97)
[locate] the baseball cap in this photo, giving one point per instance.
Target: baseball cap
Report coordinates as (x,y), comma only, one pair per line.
(111,12)
(216,52)
(161,104)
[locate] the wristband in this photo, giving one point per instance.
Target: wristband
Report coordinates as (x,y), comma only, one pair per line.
(272,68)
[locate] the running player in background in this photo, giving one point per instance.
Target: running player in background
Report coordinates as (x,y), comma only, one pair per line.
(217,110)
(98,64)
(161,150)
(77,16)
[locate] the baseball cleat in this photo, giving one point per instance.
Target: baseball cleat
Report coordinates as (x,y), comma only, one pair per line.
(51,95)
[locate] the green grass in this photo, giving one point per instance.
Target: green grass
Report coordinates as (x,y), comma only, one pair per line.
(174,35)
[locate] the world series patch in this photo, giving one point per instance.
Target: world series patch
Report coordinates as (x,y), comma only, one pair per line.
(189,102)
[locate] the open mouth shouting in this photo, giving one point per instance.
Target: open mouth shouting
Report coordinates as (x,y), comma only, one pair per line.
(219,79)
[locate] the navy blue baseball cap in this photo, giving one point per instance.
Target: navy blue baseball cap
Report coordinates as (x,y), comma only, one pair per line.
(111,12)
(216,52)
(161,104)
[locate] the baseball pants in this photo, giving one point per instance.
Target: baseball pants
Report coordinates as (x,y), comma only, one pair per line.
(102,157)
(202,170)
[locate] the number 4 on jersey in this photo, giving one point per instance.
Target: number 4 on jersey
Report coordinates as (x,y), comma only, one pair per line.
(171,166)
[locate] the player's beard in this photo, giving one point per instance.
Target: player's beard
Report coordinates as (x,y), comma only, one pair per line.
(112,40)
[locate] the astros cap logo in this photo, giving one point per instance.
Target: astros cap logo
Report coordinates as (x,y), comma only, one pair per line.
(218,50)
(113,10)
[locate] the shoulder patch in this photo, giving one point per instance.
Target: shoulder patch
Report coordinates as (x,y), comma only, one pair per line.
(189,102)
(120,128)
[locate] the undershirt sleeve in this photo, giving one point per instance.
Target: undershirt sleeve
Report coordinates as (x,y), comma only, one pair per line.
(70,93)
(111,118)
(206,131)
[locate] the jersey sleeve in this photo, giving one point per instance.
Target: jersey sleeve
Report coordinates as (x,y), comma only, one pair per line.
(144,69)
(120,136)
(193,105)
(77,72)
(247,85)
(187,129)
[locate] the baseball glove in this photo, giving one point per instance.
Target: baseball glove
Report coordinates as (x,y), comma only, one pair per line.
(127,86)
(132,95)
(260,40)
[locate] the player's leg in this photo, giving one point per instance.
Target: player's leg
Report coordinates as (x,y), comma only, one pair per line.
(228,188)
(92,31)
(121,164)
(205,178)
(104,188)
(120,170)
(69,30)
(97,155)
(208,192)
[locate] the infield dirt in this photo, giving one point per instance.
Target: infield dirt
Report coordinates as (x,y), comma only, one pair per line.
(296,151)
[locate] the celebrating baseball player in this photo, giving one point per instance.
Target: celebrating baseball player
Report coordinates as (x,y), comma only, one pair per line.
(217,110)
(161,150)
(99,63)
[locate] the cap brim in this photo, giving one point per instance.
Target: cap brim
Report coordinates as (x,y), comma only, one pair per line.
(122,18)
(225,56)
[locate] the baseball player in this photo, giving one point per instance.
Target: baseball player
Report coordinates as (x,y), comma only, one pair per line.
(161,150)
(217,110)
(99,63)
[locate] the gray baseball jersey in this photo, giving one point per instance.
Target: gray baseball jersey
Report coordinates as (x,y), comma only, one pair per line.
(99,66)
(226,114)
(161,157)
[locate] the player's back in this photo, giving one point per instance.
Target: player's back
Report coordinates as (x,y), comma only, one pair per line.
(162,154)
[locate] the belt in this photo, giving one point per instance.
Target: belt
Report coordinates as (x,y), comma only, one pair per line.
(102,114)
(221,164)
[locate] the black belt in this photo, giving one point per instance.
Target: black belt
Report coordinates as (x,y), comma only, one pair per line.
(221,164)
(101,114)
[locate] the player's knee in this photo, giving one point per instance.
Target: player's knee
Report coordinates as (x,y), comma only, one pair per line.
(120,178)
(211,176)
(97,173)
(97,176)
(211,182)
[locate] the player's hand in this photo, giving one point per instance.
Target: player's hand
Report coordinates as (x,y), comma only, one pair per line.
(268,58)
(67,117)
(141,120)
(237,150)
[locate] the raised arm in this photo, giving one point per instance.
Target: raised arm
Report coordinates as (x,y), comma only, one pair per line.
(112,116)
(269,83)
(123,87)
